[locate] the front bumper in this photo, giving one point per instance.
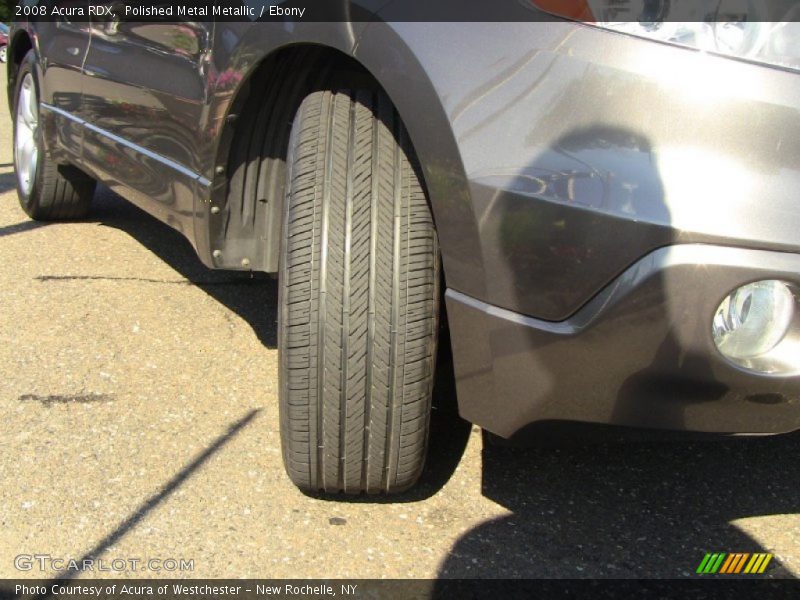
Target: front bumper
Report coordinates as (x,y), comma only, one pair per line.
(640,353)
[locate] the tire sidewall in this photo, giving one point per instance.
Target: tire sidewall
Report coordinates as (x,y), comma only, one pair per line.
(29,202)
(283,266)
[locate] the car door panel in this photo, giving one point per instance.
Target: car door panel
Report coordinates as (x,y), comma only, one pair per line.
(145,103)
(62,45)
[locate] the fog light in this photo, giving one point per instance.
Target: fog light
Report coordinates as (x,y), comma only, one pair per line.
(753,321)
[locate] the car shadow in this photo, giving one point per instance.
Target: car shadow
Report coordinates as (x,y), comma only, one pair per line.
(21,227)
(625,510)
(253,297)
(8,181)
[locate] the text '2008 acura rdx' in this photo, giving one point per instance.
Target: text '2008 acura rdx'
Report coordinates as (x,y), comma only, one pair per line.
(605,201)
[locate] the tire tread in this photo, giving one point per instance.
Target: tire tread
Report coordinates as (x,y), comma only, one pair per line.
(359,308)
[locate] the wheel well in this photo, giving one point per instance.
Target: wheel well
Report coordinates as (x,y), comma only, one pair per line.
(246,231)
(253,233)
(17,49)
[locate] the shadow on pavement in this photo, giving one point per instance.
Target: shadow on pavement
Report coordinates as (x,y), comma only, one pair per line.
(647,509)
(21,227)
(146,507)
(253,297)
(8,181)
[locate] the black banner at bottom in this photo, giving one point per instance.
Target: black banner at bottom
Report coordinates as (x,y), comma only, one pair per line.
(368,589)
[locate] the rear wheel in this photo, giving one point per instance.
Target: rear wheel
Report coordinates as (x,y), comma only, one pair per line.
(359,299)
(47,191)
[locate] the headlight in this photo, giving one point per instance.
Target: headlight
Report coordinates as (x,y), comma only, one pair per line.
(757,30)
(755,327)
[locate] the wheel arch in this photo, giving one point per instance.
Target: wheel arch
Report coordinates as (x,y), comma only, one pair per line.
(18,46)
(244,232)
(385,52)
(380,59)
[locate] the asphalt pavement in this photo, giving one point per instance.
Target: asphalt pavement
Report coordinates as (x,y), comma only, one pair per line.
(139,420)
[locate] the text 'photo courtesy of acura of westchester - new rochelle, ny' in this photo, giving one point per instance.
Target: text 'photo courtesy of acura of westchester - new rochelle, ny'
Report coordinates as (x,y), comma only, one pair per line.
(587,212)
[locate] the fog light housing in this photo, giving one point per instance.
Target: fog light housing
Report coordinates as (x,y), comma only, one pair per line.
(755,327)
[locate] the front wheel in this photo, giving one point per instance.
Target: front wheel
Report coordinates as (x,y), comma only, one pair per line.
(359,299)
(47,191)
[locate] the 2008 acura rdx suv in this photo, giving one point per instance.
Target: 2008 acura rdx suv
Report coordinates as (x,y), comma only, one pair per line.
(608,210)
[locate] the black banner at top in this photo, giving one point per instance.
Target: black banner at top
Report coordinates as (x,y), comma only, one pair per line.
(643,11)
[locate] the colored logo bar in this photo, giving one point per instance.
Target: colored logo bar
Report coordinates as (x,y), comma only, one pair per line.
(734,563)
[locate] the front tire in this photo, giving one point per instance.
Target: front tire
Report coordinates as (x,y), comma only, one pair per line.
(359,300)
(47,191)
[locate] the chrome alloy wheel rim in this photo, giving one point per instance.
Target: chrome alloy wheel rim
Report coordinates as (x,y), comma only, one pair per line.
(26,152)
